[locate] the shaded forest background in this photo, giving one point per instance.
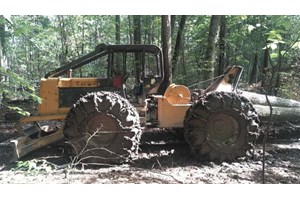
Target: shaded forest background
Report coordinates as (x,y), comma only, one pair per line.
(201,47)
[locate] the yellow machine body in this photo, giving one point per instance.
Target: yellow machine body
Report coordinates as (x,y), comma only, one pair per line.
(172,106)
(50,98)
(50,109)
(49,92)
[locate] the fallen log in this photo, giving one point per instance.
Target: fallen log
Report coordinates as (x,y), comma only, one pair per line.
(260,99)
(283,109)
(278,113)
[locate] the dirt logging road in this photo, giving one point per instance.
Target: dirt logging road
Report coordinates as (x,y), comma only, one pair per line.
(155,164)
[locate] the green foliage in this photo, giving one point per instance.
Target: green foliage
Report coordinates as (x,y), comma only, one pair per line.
(34,166)
(19,110)
(11,90)
(37,44)
(15,82)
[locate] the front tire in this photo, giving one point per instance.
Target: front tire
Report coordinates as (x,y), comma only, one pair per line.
(103,127)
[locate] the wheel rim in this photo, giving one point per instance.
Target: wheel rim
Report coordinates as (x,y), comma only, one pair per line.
(223,129)
(101,124)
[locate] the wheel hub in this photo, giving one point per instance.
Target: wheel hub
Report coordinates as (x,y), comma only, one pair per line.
(104,126)
(223,129)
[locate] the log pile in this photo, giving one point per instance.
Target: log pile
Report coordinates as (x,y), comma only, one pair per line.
(285,115)
(283,109)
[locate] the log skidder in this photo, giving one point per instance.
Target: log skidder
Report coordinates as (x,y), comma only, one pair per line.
(103,127)
(221,126)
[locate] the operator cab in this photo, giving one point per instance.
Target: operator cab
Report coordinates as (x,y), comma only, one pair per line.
(136,68)
(133,71)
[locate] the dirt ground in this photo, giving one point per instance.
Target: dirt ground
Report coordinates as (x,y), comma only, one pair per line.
(162,164)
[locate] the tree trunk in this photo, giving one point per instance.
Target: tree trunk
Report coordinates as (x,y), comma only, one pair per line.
(173,19)
(260,99)
(130,40)
(279,114)
(147,29)
(150,30)
(222,47)
(3,61)
(178,42)
(209,60)
(137,29)
(279,64)
(253,73)
(183,64)
(2,37)
(63,39)
(166,47)
(265,69)
(283,109)
(2,54)
(118,31)
(118,41)
(137,40)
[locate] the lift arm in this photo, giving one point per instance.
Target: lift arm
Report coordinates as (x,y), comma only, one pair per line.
(228,81)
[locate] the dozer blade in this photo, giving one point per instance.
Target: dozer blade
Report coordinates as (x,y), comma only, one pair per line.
(24,145)
(35,129)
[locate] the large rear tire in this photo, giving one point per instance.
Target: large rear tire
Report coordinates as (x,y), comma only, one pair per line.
(221,126)
(103,127)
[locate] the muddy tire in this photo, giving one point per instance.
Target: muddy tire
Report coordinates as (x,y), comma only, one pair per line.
(221,126)
(102,127)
